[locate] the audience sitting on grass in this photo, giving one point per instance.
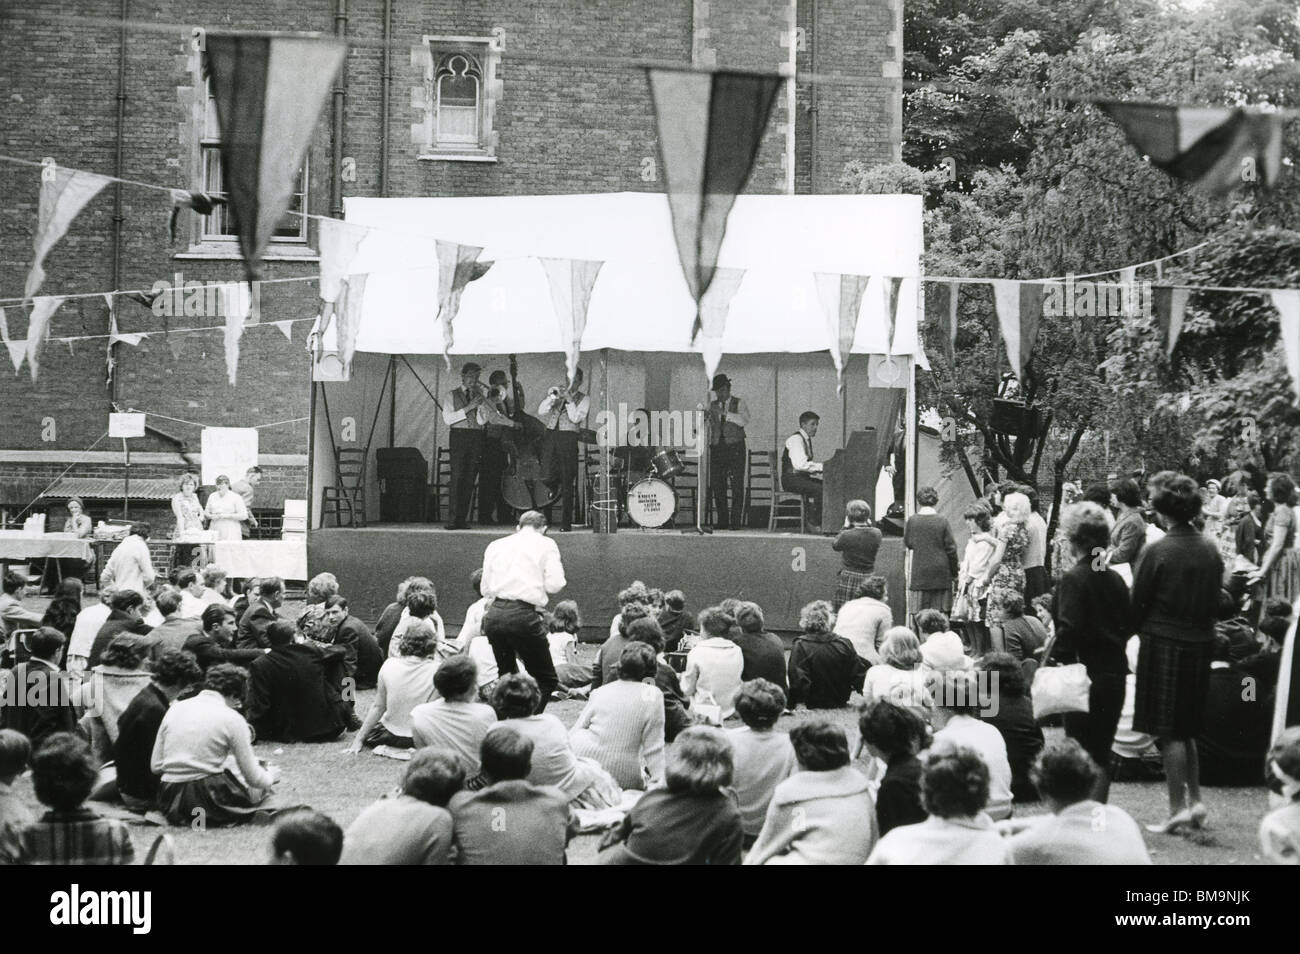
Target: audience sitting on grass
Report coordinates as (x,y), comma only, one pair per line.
(214,586)
(824,668)
(1022,634)
(959,703)
(823,814)
(635,593)
(694,818)
(763,652)
(605,668)
(107,691)
(955,791)
(1233,743)
(714,664)
(127,616)
(564,623)
(1279,832)
(191,590)
(472,641)
(39,701)
(894,734)
(196,738)
(290,696)
(63,775)
(622,726)
(215,642)
(15,753)
(677,714)
(763,757)
(421,606)
(175,628)
(1013,716)
(261,613)
(1079,830)
(64,608)
(941,648)
(174,673)
(303,836)
(583,781)
(538,823)
(86,628)
(674,620)
(412,826)
(864,620)
(405,681)
(899,677)
(311,622)
(456,722)
(387,621)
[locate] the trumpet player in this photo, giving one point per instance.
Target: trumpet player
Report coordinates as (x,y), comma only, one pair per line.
(462,411)
(564,411)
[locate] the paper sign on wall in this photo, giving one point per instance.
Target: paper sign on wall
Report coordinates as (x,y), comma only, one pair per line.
(229,451)
(126,425)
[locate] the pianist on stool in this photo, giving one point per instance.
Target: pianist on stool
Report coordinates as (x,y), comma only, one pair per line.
(800,473)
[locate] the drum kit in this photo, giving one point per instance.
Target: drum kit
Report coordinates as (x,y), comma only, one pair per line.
(651,501)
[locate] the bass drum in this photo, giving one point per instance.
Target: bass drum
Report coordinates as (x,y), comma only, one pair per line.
(651,502)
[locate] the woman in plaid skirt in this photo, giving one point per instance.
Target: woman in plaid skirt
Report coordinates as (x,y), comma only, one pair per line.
(857,544)
(1175,599)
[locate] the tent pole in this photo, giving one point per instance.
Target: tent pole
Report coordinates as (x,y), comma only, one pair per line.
(392,401)
(311,456)
(909,473)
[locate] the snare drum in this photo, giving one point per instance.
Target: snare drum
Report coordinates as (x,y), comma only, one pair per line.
(667,464)
(651,502)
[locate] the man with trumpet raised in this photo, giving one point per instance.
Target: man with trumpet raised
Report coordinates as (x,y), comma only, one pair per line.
(462,411)
(564,411)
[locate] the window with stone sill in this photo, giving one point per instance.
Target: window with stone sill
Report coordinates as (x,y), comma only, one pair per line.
(457,99)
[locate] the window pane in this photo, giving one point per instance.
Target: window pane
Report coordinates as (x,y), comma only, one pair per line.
(216,224)
(458,91)
(211,129)
(457,124)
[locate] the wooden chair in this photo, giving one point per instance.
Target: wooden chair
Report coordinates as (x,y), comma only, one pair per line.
(759,485)
(788,507)
(687,486)
(349,492)
(440,492)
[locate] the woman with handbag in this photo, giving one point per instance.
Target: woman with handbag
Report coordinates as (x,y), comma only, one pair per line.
(1175,602)
(1093,621)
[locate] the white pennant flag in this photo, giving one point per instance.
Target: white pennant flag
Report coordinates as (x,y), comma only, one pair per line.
(339,242)
(235,306)
(38,328)
(571,282)
(1006,301)
(114,336)
(714,307)
(64,193)
(17,349)
(286,328)
(1287,303)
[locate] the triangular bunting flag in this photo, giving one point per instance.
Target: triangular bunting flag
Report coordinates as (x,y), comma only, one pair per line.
(348,307)
(64,193)
(941,308)
(114,336)
(235,306)
(891,309)
(457,267)
(339,242)
(710,126)
(38,328)
(714,308)
(1218,148)
(571,282)
(17,351)
(1287,303)
(1031,316)
(1170,305)
(1006,302)
(841,299)
(286,329)
(268,92)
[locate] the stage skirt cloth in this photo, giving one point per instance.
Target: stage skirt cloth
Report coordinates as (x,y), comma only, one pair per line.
(846,586)
(1283,579)
(918,600)
(1173,682)
(214,800)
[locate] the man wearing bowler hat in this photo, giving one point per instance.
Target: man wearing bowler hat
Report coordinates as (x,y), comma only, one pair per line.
(727,419)
(462,412)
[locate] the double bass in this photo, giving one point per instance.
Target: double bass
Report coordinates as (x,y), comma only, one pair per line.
(530,481)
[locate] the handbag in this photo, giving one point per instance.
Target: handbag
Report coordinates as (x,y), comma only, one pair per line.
(1059,689)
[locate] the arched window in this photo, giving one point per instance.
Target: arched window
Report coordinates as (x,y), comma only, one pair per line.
(458,90)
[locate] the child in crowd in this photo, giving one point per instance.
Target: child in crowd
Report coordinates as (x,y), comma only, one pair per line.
(564,624)
(15,751)
(303,836)
(764,757)
(1279,833)
(895,734)
(674,620)
(64,773)
(941,648)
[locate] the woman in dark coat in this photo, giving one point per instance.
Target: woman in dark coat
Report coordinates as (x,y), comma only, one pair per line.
(1093,621)
(1175,602)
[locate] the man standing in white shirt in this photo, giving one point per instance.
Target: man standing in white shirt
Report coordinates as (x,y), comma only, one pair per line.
(520,574)
(131,567)
(564,411)
(247,489)
(800,472)
(728,417)
(461,412)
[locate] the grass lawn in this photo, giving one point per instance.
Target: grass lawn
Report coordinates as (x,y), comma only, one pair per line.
(341,785)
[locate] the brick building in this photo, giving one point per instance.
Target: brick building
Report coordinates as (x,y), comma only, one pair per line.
(481,98)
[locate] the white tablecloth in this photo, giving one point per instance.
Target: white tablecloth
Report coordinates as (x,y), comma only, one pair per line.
(247,558)
(16,546)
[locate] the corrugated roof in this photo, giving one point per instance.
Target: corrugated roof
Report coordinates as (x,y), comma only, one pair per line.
(110,488)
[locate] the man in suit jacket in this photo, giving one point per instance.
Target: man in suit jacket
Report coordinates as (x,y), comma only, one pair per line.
(289,697)
(127,616)
(215,643)
(362,658)
(261,614)
(137,728)
(39,701)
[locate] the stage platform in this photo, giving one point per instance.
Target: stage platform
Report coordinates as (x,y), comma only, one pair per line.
(779,571)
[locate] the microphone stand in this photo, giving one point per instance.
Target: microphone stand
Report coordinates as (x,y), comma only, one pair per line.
(702,480)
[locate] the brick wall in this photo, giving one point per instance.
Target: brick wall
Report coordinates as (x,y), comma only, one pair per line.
(582,127)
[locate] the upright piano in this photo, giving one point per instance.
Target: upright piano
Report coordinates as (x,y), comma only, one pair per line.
(850,474)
